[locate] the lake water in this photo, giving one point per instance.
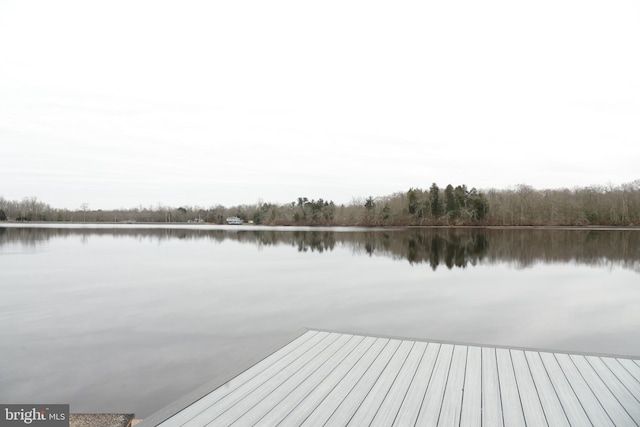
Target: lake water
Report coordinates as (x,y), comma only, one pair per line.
(128,319)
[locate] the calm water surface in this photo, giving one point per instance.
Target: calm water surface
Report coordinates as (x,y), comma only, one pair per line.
(126,319)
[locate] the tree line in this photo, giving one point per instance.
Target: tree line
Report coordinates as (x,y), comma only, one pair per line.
(521,205)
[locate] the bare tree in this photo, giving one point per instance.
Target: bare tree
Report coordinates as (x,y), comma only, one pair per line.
(84,207)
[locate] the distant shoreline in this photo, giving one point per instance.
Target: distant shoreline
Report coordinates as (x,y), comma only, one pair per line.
(522,206)
(212,226)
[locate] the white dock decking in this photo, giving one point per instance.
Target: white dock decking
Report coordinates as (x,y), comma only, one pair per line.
(337,379)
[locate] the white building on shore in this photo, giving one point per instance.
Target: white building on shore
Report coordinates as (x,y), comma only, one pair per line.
(234,220)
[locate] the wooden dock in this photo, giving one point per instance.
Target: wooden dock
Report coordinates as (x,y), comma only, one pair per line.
(336,379)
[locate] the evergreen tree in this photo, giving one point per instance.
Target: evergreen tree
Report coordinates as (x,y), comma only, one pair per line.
(450,201)
(480,206)
(370,204)
(328,210)
(412,201)
(434,201)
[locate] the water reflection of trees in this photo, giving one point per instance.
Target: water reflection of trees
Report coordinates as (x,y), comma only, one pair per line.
(450,247)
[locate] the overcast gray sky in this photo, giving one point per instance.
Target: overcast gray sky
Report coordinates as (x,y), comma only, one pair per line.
(122,103)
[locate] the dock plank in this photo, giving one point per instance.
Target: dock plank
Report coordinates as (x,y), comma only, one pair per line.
(321,412)
(452,399)
(410,408)
(269,379)
(631,367)
(372,402)
(531,404)
(430,410)
(512,411)
(491,397)
(319,394)
(596,413)
(286,397)
(623,375)
(271,393)
(551,405)
(332,378)
(357,394)
(388,410)
(250,377)
(471,415)
(605,395)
